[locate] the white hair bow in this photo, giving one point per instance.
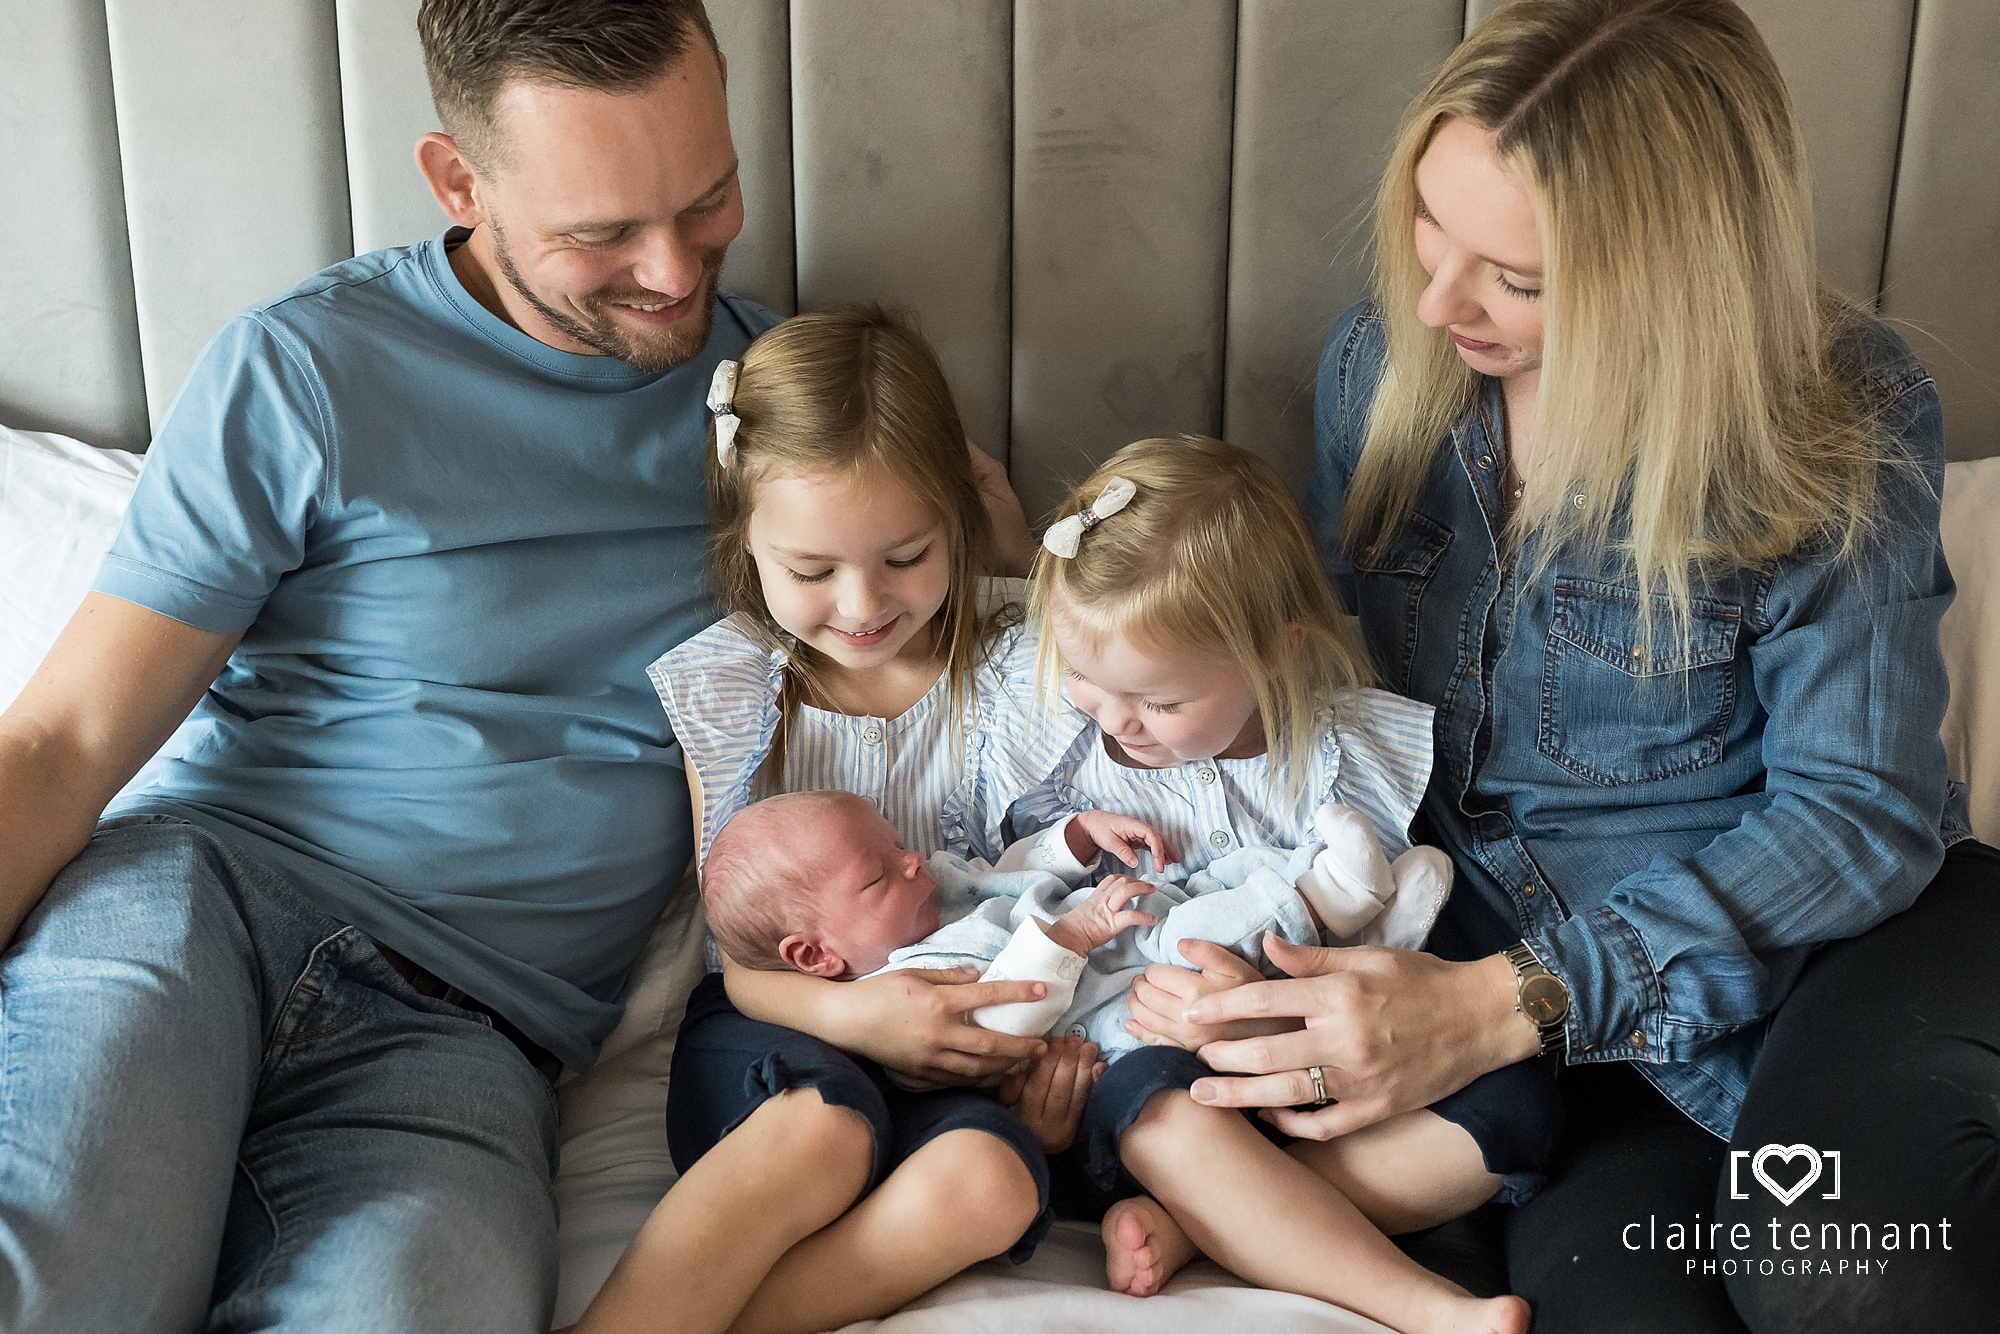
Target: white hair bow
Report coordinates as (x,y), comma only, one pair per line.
(1061,539)
(722,402)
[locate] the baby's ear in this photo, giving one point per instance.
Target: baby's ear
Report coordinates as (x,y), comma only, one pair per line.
(805,954)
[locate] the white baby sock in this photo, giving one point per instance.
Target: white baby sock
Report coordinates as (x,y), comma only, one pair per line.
(1423,882)
(1349,882)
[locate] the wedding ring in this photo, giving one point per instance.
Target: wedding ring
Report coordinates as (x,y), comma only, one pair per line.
(1319,1086)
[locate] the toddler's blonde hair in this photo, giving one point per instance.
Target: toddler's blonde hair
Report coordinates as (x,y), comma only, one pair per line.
(1211,556)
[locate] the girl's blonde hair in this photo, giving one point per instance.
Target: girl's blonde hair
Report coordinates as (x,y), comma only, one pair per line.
(1210,556)
(849,390)
(1688,383)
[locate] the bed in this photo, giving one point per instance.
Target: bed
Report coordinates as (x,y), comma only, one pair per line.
(59,505)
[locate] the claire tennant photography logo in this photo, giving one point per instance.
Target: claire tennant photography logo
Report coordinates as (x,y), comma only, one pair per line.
(1786,1172)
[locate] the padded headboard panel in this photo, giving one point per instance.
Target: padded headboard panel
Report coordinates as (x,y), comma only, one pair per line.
(1113,217)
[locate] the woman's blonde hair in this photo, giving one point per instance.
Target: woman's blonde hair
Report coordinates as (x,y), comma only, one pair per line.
(849,390)
(1690,415)
(1211,556)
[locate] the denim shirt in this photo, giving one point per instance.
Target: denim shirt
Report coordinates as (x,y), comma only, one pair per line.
(1673,832)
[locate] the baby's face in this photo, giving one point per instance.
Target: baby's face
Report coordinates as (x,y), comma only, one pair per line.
(876,896)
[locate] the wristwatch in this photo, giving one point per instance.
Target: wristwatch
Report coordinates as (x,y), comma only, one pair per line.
(1541,995)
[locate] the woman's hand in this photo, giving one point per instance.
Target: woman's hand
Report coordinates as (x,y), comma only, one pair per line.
(1158,1000)
(1049,1095)
(1390,1030)
(920,1022)
(1013,544)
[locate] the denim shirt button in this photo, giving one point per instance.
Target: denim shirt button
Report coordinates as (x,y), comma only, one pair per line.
(1485,460)
(1638,1039)
(1530,890)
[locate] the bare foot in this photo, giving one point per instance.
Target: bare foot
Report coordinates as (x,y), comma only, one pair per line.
(1495,1315)
(1144,1247)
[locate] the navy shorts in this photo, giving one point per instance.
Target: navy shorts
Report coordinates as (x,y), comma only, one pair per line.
(1514,1114)
(726,1065)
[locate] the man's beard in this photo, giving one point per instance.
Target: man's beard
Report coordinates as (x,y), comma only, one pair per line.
(674,346)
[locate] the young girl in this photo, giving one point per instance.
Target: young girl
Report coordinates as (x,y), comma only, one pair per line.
(848,543)
(1182,597)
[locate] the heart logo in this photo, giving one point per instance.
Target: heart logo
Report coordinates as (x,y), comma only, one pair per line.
(1790,1153)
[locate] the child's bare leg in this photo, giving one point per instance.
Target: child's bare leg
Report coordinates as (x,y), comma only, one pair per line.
(1143,1246)
(792,1167)
(1407,1173)
(964,1197)
(1269,1218)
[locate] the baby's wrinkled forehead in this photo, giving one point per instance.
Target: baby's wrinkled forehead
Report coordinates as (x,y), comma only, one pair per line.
(825,825)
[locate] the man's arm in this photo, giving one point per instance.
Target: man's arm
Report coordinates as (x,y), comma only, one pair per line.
(115,685)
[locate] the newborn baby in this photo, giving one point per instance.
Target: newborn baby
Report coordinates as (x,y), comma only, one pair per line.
(818,882)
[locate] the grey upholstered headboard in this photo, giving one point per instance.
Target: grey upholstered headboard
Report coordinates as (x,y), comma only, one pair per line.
(1114,217)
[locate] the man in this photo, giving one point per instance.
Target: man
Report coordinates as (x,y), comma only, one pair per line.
(277,1034)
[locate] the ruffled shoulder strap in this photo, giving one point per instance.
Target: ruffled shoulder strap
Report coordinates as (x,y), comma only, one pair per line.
(1375,755)
(1020,736)
(720,690)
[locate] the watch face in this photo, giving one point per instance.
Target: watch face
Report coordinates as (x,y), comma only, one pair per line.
(1544,998)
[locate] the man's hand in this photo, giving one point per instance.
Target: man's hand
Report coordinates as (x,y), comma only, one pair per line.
(1049,1095)
(1101,916)
(1091,832)
(1013,545)
(1158,999)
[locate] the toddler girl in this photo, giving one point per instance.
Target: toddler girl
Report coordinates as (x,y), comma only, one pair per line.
(860,651)
(1182,602)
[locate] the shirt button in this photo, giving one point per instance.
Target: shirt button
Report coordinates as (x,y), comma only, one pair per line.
(1472,669)
(1078,1031)
(1638,1039)
(1530,890)
(1205,775)
(1218,839)
(1638,653)
(1578,500)
(872,734)
(1485,460)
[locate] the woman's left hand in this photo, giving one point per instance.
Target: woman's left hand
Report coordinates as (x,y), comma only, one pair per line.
(1390,1030)
(1013,544)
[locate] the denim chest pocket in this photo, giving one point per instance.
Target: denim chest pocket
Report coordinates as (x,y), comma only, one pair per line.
(1391,578)
(1616,709)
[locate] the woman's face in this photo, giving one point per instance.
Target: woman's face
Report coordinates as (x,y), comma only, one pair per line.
(853,564)
(1477,238)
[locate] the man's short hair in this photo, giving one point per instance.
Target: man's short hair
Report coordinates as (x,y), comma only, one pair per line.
(473,48)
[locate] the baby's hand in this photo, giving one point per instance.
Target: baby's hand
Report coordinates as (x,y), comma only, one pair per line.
(1049,1095)
(1120,835)
(1101,916)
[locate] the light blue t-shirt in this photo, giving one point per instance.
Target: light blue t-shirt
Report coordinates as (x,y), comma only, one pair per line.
(455,550)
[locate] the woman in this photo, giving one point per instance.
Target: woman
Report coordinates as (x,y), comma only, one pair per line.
(1651,519)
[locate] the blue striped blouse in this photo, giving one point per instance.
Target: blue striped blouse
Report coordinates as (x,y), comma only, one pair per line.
(944,784)
(1374,754)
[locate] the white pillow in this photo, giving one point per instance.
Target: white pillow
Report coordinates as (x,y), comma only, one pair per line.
(60,503)
(1970,636)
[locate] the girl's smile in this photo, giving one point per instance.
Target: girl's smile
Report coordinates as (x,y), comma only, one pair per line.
(853,565)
